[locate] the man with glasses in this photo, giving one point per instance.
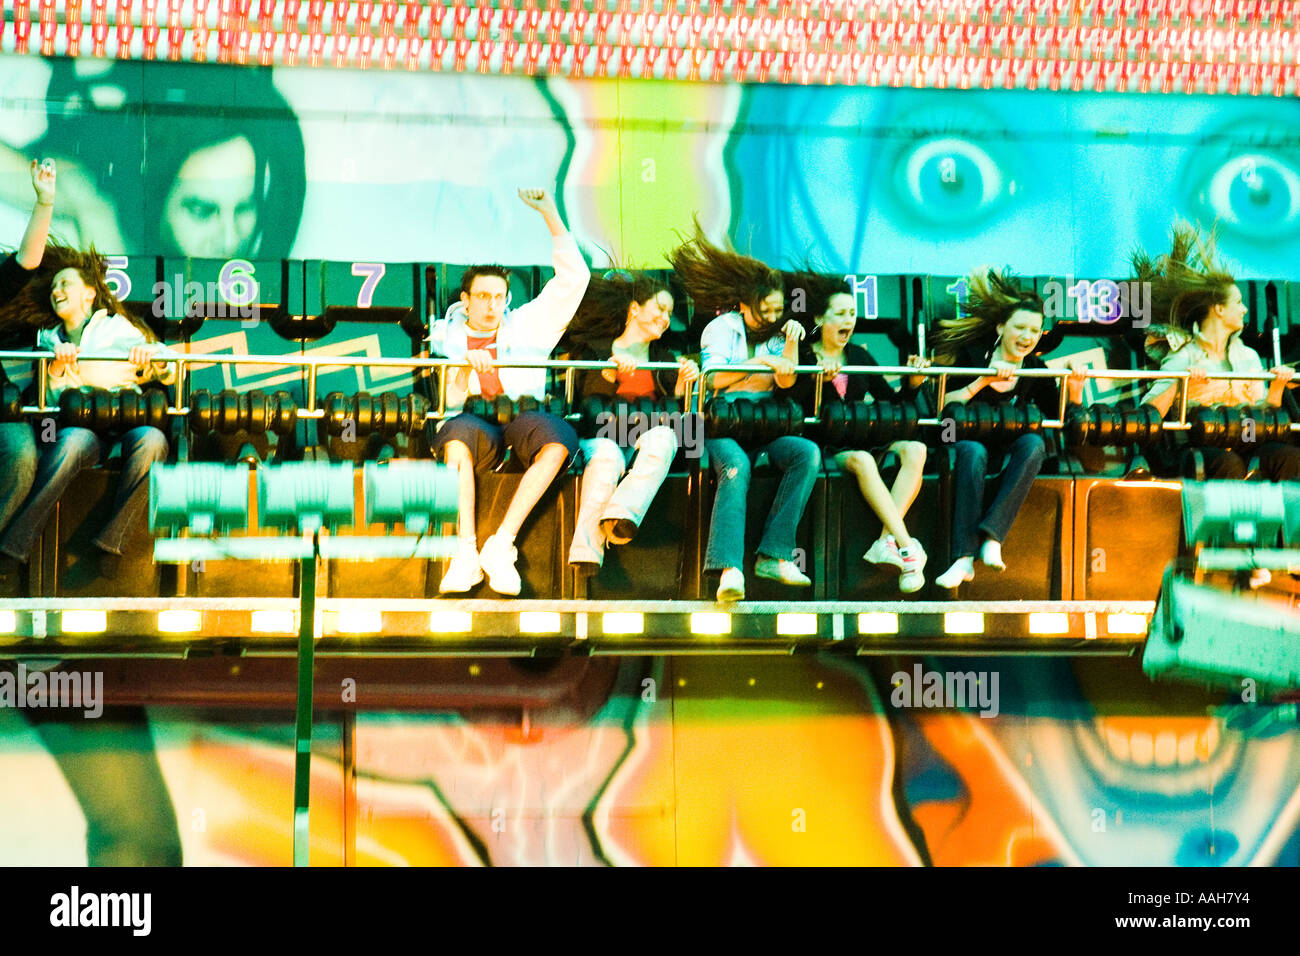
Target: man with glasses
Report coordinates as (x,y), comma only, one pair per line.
(481,330)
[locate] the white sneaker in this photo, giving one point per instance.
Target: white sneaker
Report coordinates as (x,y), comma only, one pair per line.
(912,580)
(962,570)
(463,573)
(912,558)
(732,585)
(498,561)
(884,551)
(783,571)
(991,554)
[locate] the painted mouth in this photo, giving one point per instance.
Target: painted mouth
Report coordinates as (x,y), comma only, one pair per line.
(1185,755)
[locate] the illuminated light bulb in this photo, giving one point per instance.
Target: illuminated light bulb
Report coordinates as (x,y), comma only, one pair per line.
(353,621)
(539,622)
(179,621)
(800,623)
(1123,623)
(963,622)
(710,622)
(622,622)
(1049,623)
(877,622)
(83,622)
(450,622)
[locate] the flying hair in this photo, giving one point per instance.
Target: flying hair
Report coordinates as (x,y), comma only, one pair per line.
(1186,282)
(31,306)
(808,294)
(991,299)
(720,280)
(601,316)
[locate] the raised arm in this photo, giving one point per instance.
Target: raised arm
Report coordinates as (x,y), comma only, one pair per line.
(546,317)
(32,246)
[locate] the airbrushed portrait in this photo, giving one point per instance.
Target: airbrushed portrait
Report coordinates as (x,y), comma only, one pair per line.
(193,163)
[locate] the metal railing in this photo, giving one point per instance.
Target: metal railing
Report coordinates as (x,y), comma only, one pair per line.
(942,372)
(185,362)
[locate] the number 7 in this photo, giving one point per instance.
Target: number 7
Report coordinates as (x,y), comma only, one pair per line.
(373,271)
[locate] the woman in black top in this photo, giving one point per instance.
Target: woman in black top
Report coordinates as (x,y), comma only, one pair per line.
(829,300)
(999,328)
(622,318)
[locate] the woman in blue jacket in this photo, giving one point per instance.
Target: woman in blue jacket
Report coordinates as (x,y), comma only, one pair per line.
(751,299)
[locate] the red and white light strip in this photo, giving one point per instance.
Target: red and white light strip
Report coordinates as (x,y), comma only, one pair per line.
(1232,46)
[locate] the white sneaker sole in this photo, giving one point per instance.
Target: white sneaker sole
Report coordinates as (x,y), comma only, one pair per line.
(907,586)
(443,589)
(947,581)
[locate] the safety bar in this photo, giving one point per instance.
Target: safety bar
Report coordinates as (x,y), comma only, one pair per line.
(186,361)
(943,371)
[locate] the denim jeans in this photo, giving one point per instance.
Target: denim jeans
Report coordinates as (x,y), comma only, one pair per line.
(17,467)
(72,450)
(1024,460)
(798,459)
(606,497)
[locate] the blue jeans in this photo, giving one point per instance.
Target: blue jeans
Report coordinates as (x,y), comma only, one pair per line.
(1024,460)
(72,450)
(798,459)
(17,467)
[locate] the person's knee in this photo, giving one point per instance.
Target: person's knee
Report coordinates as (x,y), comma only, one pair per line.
(456,453)
(972,452)
(859,464)
(911,454)
(18,466)
(734,468)
(1229,466)
(602,453)
(659,442)
(1281,463)
(1035,447)
(808,455)
(552,455)
(77,447)
(153,445)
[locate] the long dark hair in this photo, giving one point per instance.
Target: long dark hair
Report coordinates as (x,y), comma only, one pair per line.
(991,299)
(720,280)
(31,306)
(1185,282)
(808,295)
(133,151)
(601,316)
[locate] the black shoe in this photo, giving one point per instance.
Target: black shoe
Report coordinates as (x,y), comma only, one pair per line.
(12,574)
(110,565)
(620,531)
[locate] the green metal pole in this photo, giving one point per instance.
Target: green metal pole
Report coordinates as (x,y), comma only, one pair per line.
(306,671)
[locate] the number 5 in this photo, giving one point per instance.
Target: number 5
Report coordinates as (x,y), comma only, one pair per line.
(373,271)
(119,283)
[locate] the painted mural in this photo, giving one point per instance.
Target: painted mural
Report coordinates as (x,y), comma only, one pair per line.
(717,761)
(686,761)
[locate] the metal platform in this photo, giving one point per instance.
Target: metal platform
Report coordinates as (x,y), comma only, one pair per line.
(268,627)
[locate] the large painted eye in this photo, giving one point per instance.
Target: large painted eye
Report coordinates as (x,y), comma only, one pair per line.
(1254,193)
(951,180)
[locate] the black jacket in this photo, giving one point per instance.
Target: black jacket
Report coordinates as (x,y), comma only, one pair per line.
(859,386)
(1042,392)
